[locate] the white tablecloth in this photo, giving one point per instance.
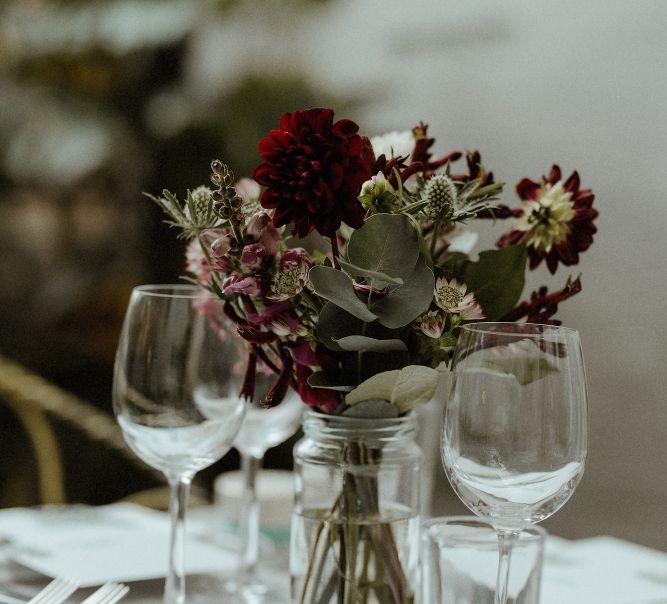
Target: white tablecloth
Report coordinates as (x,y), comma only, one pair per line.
(125,542)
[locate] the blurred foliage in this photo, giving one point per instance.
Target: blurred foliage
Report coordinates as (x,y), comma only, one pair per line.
(102,101)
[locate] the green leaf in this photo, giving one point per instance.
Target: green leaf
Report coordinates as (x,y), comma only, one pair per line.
(415,384)
(337,287)
(405,303)
(320,380)
(524,369)
(380,386)
(334,323)
(365,344)
(374,275)
(372,409)
(386,243)
(497,279)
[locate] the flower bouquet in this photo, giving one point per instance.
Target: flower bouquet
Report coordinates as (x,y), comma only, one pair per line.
(345,266)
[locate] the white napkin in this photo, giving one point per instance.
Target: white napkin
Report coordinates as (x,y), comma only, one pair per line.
(603,570)
(92,545)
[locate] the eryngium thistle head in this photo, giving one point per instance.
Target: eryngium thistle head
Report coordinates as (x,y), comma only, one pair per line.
(440,193)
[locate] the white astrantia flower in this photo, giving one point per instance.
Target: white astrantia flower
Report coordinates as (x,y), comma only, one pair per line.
(454,298)
(432,323)
(394,144)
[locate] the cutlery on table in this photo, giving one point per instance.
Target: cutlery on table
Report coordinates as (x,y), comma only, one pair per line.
(109,593)
(55,592)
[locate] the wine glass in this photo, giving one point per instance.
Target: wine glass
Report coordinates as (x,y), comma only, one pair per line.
(175,395)
(262,429)
(515,427)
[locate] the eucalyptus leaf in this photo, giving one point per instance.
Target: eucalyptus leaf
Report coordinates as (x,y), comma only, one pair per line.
(415,385)
(405,303)
(320,380)
(376,276)
(337,287)
(386,243)
(497,279)
(372,409)
(365,344)
(525,370)
(379,386)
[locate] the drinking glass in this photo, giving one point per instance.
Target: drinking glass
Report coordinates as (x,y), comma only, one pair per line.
(515,428)
(175,395)
(460,560)
(262,429)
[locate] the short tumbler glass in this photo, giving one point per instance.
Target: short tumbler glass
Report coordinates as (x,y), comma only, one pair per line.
(460,562)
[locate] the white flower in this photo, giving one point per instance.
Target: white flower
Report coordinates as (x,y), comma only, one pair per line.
(451,296)
(462,241)
(432,323)
(393,144)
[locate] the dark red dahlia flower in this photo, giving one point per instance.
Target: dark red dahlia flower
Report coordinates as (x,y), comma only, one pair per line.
(555,221)
(313,171)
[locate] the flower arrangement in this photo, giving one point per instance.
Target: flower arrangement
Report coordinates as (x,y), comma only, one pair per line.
(345,265)
(350,273)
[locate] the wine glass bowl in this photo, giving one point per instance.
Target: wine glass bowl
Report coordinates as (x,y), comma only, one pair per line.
(514,437)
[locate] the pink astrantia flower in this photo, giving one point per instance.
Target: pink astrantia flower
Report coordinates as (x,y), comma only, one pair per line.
(454,299)
(555,221)
(432,323)
(292,275)
(242,284)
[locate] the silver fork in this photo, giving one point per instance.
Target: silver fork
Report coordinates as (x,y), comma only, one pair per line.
(109,593)
(55,592)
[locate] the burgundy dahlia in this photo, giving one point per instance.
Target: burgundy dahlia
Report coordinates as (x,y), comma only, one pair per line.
(555,221)
(313,171)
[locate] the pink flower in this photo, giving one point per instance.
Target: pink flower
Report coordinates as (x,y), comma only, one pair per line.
(248,190)
(292,276)
(196,263)
(219,251)
(261,230)
(451,296)
(242,284)
(252,255)
(432,323)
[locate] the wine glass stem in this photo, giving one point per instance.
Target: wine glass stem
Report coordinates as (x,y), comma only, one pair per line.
(250,517)
(174,589)
(506,541)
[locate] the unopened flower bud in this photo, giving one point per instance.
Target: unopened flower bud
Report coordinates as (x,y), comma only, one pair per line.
(216,166)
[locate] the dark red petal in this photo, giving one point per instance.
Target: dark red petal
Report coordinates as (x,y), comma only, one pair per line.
(527,189)
(572,184)
(554,175)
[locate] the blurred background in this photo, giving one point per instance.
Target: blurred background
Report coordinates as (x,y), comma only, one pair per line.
(101,101)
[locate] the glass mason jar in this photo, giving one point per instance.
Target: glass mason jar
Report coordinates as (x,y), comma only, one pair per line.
(355,525)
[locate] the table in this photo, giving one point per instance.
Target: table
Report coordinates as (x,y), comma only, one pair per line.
(600,570)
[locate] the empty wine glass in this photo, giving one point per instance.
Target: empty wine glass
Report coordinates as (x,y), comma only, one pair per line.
(175,395)
(515,428)
(262,429)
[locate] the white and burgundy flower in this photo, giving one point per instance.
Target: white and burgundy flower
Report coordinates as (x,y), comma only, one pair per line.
(555,221)
(453,297)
